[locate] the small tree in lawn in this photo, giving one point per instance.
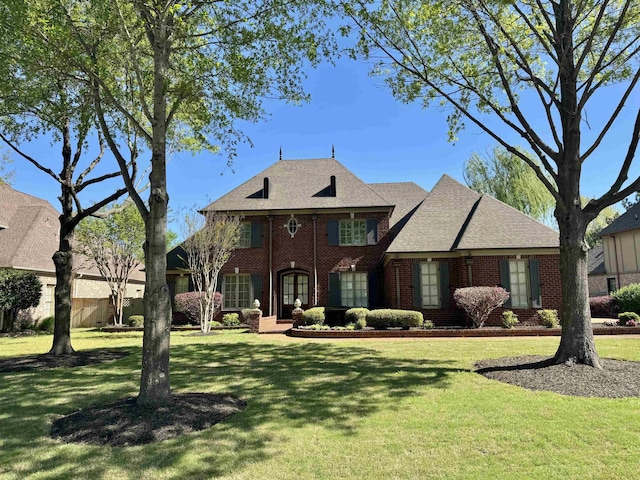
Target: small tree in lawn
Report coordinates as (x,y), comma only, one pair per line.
(210,241)
(18,291)
(114,245)
(479,302)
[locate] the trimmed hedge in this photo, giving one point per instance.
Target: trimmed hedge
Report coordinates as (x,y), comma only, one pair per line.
(47,324)
(136,321)
(628,298)
(628,319)
(313,316)
(354,314)
(231,319)
(386,318)
(604,306)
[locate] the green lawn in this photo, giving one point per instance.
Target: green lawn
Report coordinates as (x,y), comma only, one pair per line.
(368,409)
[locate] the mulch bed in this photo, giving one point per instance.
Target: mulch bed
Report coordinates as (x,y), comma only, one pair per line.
(124,423)
(78,359)
(616,379)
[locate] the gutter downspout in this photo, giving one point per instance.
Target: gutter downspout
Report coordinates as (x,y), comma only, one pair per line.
(270,217)
(315,259)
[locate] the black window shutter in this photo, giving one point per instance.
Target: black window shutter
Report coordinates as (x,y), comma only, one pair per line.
(417,288)
(256,234)
(332,232)
(444,285)
(534,278)
(219,283)
(373,286)
(372,231)
(334,290)
(256,283)
(504,280)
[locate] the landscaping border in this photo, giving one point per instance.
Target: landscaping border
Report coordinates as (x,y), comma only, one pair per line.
(113,329)
(451,332)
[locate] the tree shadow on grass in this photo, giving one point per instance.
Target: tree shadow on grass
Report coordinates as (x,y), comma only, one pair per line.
(287,386)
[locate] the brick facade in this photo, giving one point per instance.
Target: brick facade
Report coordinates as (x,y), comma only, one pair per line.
(485,271)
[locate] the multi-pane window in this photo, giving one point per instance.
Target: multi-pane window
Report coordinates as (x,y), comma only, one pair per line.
(518,283)
(245,236)
(237,291)
(429,284)
(182,285)
(353,232)
(353,289)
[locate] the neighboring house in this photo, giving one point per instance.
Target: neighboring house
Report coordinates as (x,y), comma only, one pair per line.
(617,262)
(29,236)
(313,230)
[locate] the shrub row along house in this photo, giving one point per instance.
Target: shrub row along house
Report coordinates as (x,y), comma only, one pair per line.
(29,236)
(313,230)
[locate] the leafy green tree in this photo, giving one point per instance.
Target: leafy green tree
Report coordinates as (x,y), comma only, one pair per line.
(43,94)
(532,67)
(181,74)
(18,291)
(114,245)
(507,178)
(6,175)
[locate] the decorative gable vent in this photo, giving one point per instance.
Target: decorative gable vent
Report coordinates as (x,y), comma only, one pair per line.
(265,188)
(332,186)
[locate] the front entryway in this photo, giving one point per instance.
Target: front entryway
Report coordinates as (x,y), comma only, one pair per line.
(293,284)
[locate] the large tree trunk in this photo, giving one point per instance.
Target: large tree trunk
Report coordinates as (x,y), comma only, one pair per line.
(576,343)
(154,384)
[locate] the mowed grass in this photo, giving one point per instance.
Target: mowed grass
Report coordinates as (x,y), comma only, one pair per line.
(369,409)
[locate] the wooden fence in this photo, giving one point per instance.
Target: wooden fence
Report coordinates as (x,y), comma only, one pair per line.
(89,312)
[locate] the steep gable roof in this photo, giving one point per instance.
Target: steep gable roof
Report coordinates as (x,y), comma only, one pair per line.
(494,224)
(300,184)
(454,217)
(629,220)
(404,195)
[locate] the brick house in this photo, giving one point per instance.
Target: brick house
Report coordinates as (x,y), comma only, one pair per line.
(313,230)
(616,262)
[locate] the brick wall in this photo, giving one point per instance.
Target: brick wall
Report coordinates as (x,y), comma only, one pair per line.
(485,272)
(300,250)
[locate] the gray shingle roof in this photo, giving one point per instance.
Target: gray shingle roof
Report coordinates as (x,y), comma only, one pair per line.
(454,217)
(596,260)
(630,220)
(31,234)
(404,195)
(300,184)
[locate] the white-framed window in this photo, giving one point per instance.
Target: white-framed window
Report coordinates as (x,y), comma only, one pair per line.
(519,285)
(353,289)
(245,235)
(236,291)
(353,232)
(430,284)
(182,285)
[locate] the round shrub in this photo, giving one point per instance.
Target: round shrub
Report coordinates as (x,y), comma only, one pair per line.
(628,298)
(386,318)
(230,319)
(625,319)
(47,324)
(189,304)
(136,321)
(427,325)
(313,316)
(509,319)
(360,324)
(549,318)
(354,314)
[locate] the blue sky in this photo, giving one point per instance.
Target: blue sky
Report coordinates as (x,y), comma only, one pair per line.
(378,138)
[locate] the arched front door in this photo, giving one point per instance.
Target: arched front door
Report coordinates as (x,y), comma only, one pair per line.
(293,285)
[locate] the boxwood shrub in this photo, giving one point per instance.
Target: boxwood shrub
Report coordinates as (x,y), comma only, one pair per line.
(136,321)
(628,298)
(385,318)
(313,316)
(354,314)
(230,319)
(630,319)
(549,318)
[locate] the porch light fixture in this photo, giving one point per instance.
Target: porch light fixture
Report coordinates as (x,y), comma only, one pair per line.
(293,264)
(353,268)
(292,226)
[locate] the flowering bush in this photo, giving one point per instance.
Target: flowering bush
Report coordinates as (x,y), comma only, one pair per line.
(479,302)
(189,304)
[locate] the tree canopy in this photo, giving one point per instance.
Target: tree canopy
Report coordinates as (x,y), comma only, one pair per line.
(525,69)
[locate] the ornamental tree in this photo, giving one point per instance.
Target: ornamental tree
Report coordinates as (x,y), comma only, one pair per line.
(524,70)
(479,302)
